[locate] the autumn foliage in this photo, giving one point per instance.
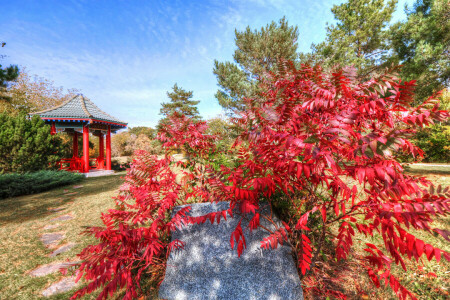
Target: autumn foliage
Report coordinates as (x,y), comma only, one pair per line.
(320,148)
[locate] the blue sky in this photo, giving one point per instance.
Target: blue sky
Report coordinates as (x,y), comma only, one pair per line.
(125,55)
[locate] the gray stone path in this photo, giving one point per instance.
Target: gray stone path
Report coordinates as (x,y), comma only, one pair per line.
(64,285)
(208,268)
(62,218)
(56,209)
(52,239)
(50,268)
(52,226)
(62,249)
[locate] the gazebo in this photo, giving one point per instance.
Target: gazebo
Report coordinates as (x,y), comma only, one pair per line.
(79,115)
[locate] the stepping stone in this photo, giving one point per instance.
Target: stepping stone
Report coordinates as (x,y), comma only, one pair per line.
(62,249)
(56,209)
(64,285)
(48,227)
(50,268)
(62,218)
(52,239)
(77,186)
(208,268)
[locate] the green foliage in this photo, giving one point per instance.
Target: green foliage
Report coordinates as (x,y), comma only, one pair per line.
(358,38)
(257,52)
(14,184)
(435,142)
(148,131)
(180,104)
(7,75)
(422,46)
(224,130)
(26,145)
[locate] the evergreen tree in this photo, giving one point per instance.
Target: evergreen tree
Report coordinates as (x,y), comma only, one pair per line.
(26,144)
(358,38)
(422,45)
(6,75)
(180,103)
(256,53)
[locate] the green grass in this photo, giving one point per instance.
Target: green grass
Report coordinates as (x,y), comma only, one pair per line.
(354,282)
(21,222)
(442,169)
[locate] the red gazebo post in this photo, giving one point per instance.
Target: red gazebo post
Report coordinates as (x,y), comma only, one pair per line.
(108,148)
(101,151)
(85,149)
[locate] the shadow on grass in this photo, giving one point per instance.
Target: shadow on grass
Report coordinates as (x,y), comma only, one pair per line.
(22,208)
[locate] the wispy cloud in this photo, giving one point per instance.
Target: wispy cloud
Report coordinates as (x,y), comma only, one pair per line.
(126,55)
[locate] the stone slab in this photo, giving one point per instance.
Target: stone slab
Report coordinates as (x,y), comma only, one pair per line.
(51,239)
(52,226)
(208,268)
(62,249)
(50,268)
(56,209)
(64,285)
(62,218)
(71,194)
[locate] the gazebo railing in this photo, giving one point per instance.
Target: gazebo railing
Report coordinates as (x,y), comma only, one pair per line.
(71,164)
(75,164)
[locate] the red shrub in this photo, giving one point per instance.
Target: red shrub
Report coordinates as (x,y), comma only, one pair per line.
(323,145)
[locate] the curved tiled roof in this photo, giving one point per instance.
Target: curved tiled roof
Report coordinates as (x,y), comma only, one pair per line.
(79,107)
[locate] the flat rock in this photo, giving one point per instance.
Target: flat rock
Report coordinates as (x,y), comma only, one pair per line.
(77,186)
(70,194)
(62,218)
(50,268)
(64,285)
(49,227)
(56,209)
(51,239)
(208,268)
(62,249)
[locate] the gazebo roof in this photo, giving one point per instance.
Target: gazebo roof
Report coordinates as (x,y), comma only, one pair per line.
(79,108)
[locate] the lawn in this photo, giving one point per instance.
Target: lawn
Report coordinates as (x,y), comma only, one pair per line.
(21,224)
(22,220)
(432,168)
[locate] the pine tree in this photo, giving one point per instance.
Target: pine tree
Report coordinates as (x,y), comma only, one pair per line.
(257,52)
(180,103)
(422,45)
(26,144)
(358,38)
(7,75)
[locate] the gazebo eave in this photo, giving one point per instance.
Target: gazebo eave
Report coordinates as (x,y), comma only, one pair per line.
(84,120)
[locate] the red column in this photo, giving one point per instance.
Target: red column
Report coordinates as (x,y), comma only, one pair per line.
(75,144)
(53,129)
(85,149)
(108,149)
(101,151)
